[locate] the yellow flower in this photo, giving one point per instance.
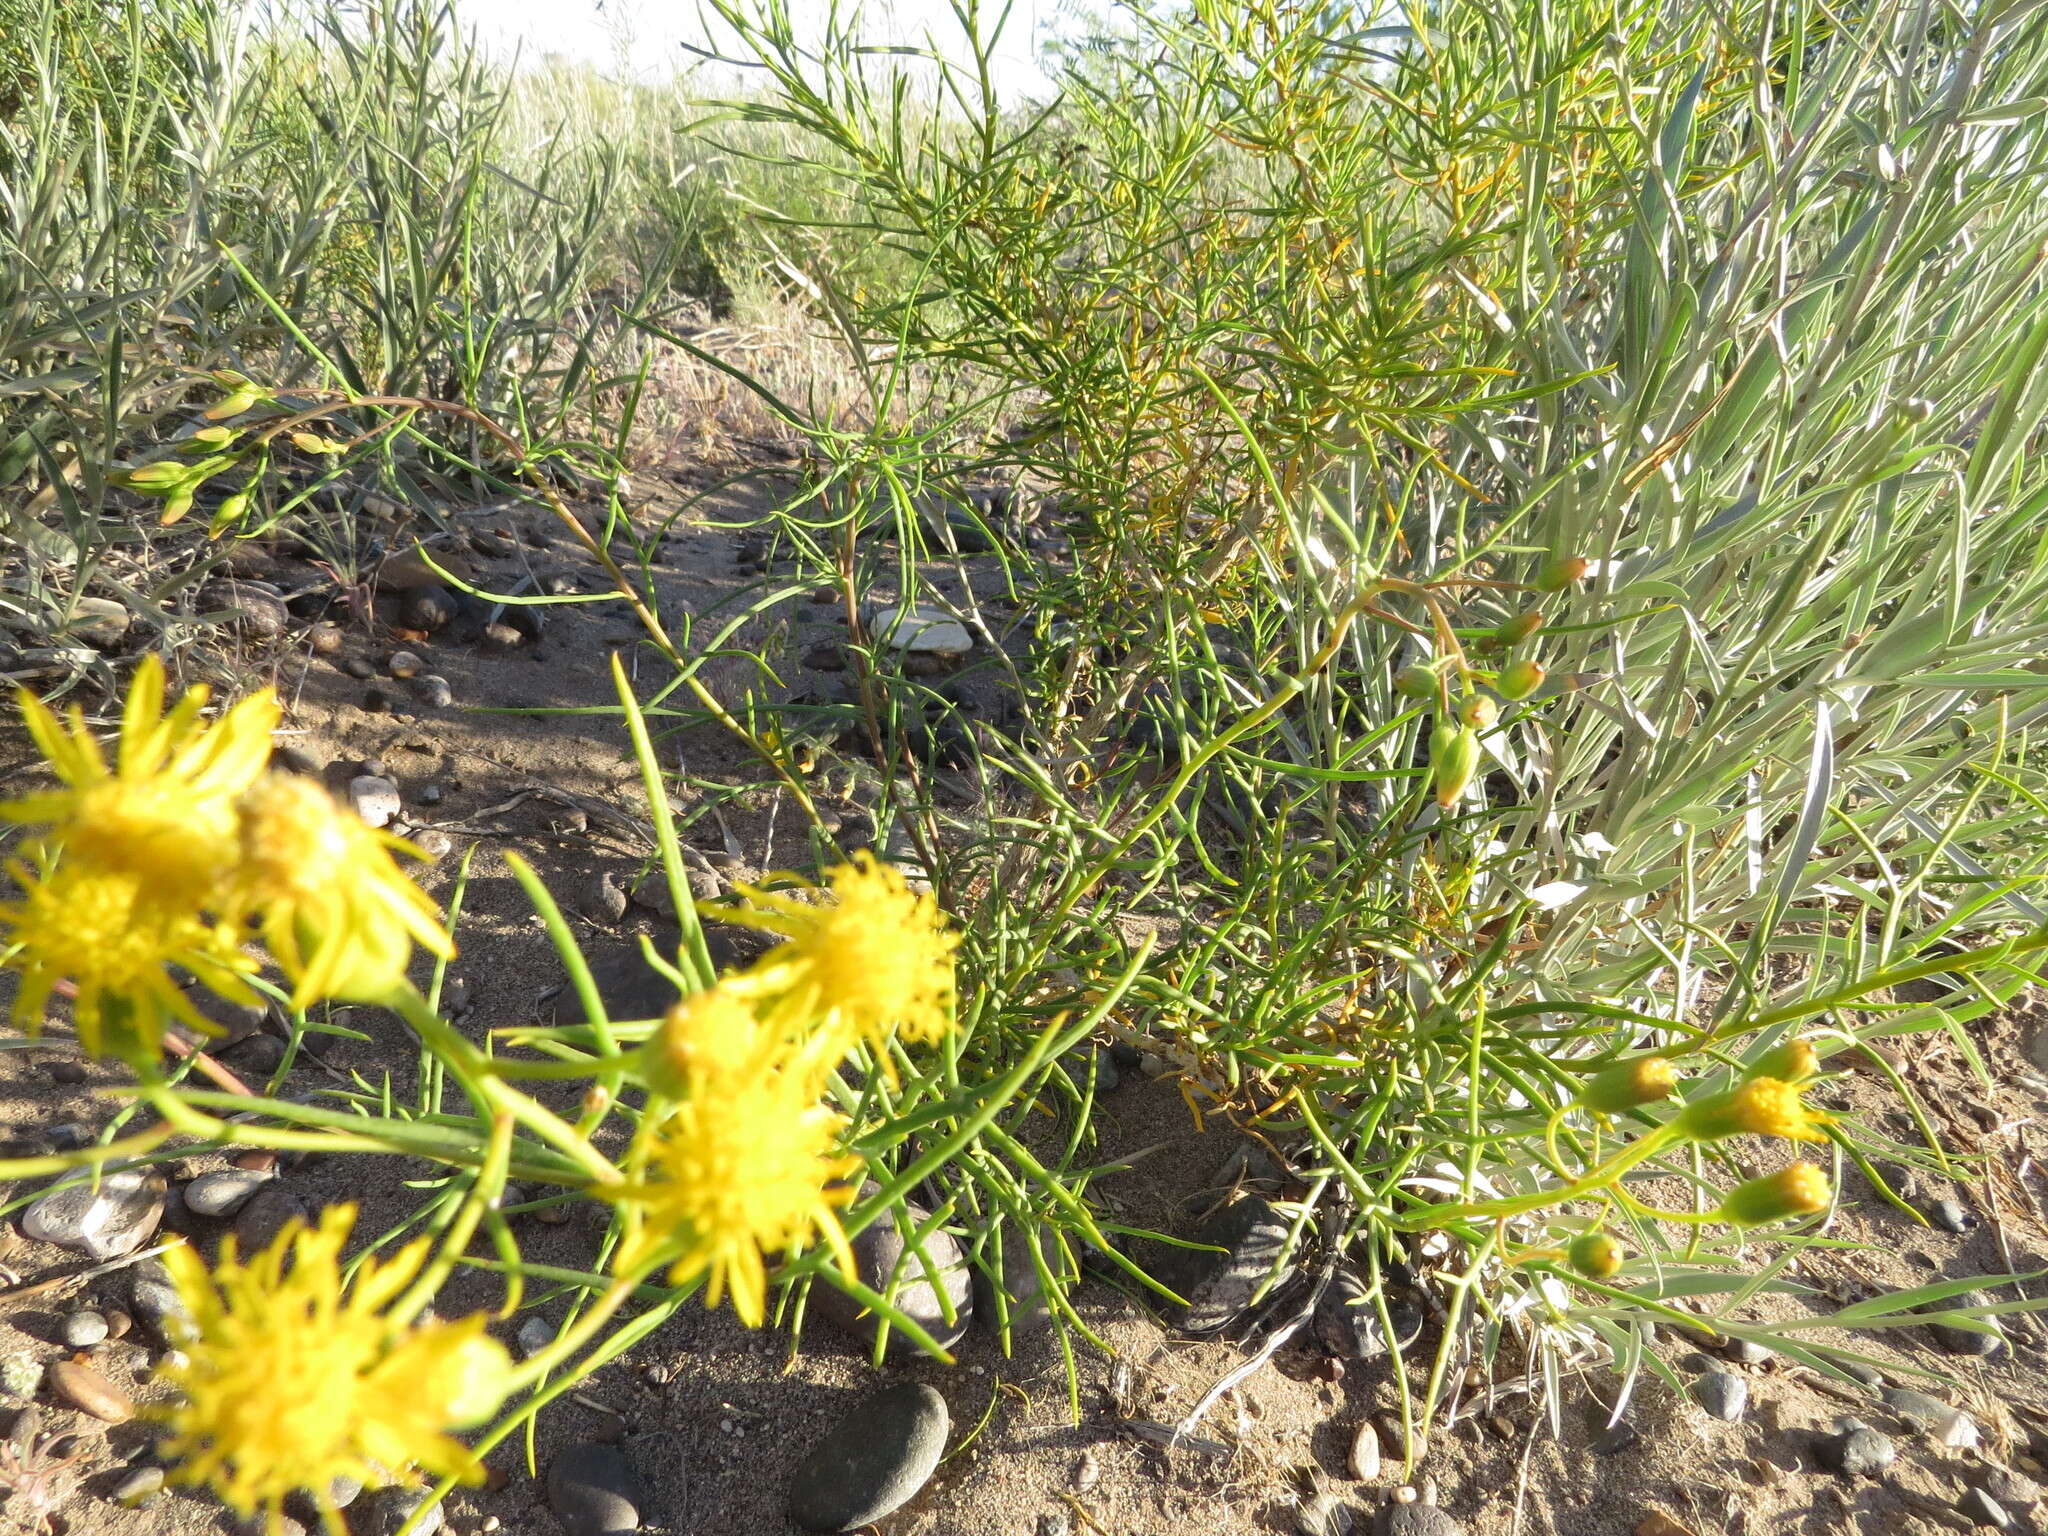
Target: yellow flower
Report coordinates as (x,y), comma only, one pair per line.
(1799,1190)
(869,955)
(165,811)
(112,939)
(1629,1085)
(337,912)
(1763,1106)
(746,1161)
(291,1379)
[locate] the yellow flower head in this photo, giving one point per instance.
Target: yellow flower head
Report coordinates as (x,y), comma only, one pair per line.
(1629,1085)
(290,1380)
(868,956)
(744,1164)
(108,936)
(337,912)
(1763,1106)
(1799,1190)
(165,811)
(714,1038)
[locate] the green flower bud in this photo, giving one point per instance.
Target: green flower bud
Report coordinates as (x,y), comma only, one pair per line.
(1453,759)
(1628,1085)
(1478,711)
(1799,1190)
(245,398)
(1595,1254)
(1562,571)
(176,505)
(1415,683)
(1519,679)
(1514,631)
(154,479)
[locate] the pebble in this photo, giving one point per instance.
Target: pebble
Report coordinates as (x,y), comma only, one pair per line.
(877,1252)
(916,629)
(88,1391)
(403,664)
(1020,1302)
(429,794)
(375,799)
(257,1056)
(68,1136)
(119,1323)
(434,691)
(502,636)
(223,1192)
(64,1072)
(385,1512)
(594,1491)
(1364,1461)
(1952,1216)
(325,639)
(1983,1509)
(603,898)
(535,1335)
(255,608)
(156,1301)
(1416,1520)
(1324,1515)
(873,1461)
(1218,1287)
(267,1213)
(138,1487)
(2010,1488)
(1951,1426)
(1616,1439)
(1956,1340)
(435,845)
(104,1220)
(1858,1451)
(429,608)
(1721,1394)
(359,668)
(82,1330)
(1347,1319)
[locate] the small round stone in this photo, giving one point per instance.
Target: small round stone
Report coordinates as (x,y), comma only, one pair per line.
(85,1389)
(403,664)
(385,1512)
(223,1192)
(1721,1394)
(82,1330)
(1416,1520)
(266,1214)
(594,1490)
(873,1461)
(1984,1510)
(1858,1452)
(139,1487)
(434,691)
(324,639)
(1952,1216)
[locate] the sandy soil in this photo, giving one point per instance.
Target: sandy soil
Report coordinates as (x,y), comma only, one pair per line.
(715,1416)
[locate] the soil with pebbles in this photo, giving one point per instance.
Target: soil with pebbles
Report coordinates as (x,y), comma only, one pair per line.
(714,1418)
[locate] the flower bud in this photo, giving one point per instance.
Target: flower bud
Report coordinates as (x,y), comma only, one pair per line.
(158,477)
(1453,759)
(1478,711)
(1594,1254)
(1763,1106)
(1415,683)
(1628,1085)
(314,443)
(1793,1062)
(1562,571)
(1519,679)
(244,398)
(1524,624)
(1799,1190)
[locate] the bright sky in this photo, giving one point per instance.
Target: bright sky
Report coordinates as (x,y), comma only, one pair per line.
(644,37)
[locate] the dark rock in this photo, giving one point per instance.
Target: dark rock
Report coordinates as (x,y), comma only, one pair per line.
(873,1461)
(1021,1303)
(258,1056)
(222,1193)
(103,1218)
(1955,1340)
(1347,1319)
(1721,1394)
(428,608)
(64,1072)
(594,1490)
(139,1487)
(267,1212)
(155,1300)
(1617,1438)
(359,667)
(68,1136)
(825,658)
(1416,1520)
(1219,1286)
(878,1252)
(603,898)
(254,607)
(1858,1452)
